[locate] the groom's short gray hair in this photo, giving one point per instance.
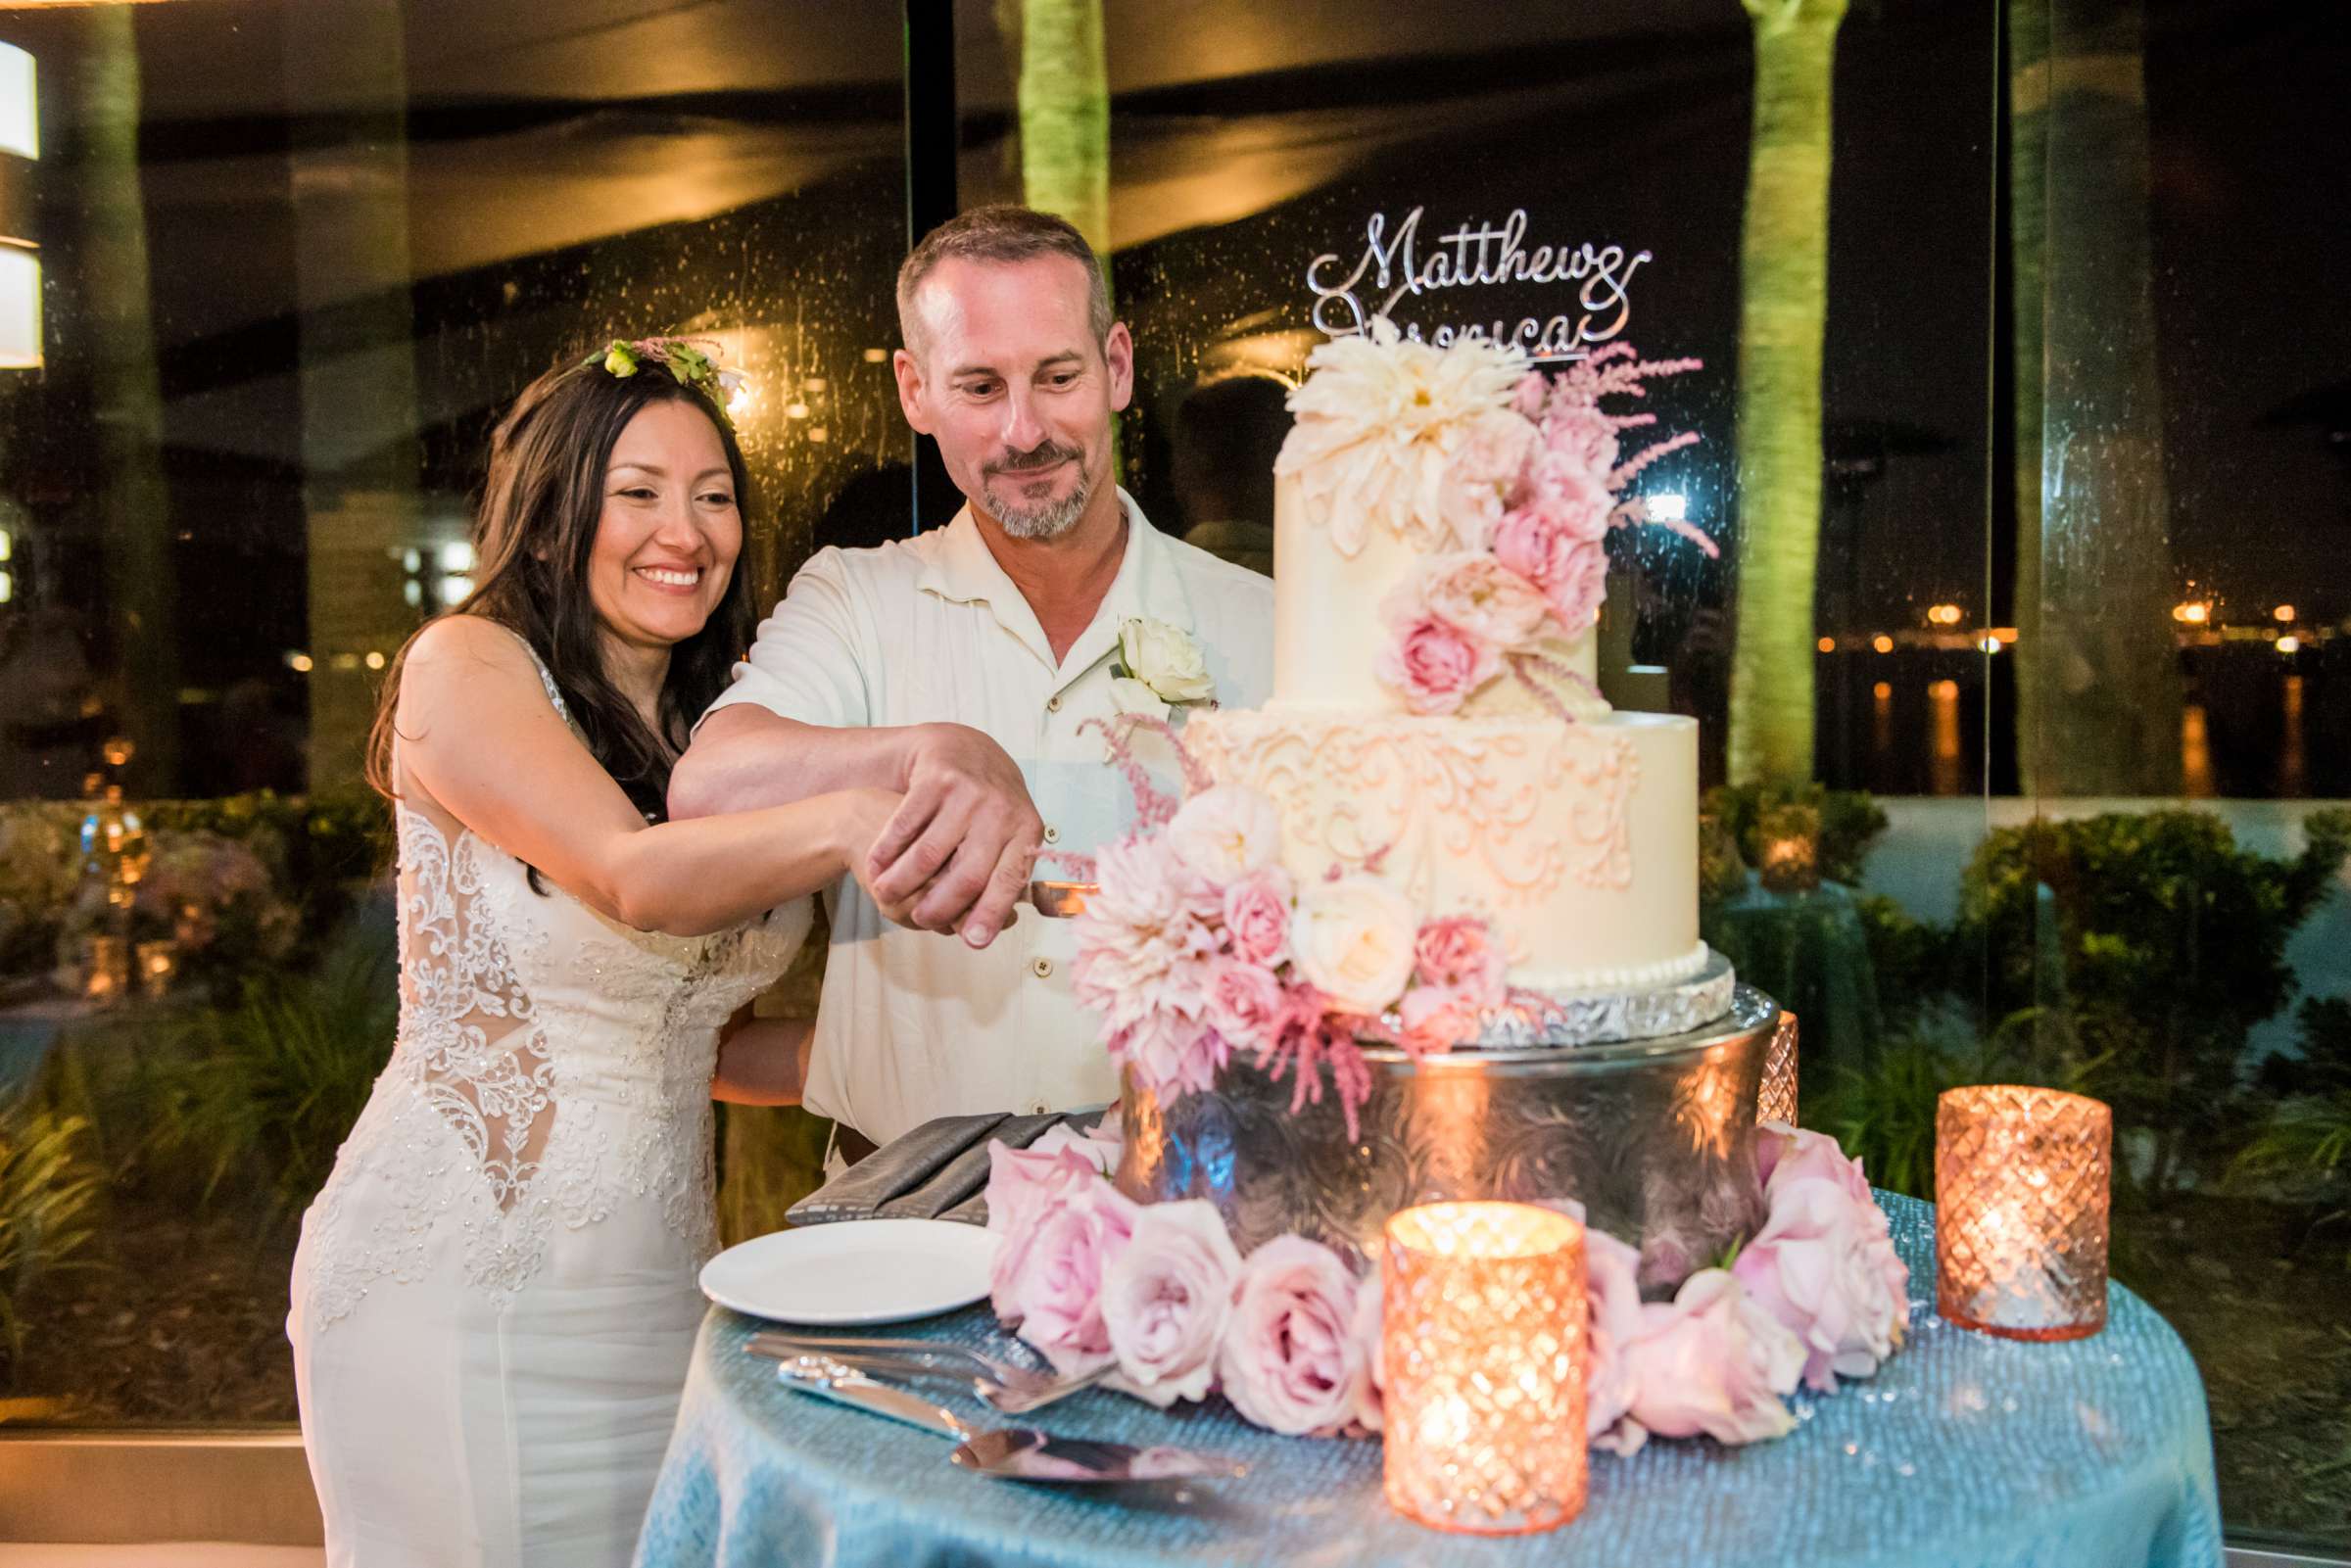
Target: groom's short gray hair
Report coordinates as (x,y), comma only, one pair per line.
(1008,233)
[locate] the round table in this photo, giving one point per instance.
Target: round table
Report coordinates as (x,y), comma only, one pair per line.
(1963,1450)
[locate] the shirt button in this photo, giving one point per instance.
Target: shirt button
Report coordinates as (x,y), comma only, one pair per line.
(1052,833)
(1053,703)
(1042,969)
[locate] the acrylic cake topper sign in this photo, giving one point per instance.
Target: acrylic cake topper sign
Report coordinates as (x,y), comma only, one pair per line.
(1393,267)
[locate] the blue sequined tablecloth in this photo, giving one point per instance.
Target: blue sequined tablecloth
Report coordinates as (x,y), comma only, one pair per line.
(1965,1451)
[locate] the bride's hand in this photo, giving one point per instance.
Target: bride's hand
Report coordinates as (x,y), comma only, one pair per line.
(865,812)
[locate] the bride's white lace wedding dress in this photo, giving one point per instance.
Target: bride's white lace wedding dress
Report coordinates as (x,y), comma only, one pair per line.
(494,1301)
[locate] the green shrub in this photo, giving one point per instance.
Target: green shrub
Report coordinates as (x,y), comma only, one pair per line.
(2170,945)
(48,1197)
(1850,821)
(255,1097)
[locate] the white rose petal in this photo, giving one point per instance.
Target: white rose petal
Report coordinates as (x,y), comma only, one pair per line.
(1224,833)
(1353,941)
(1165,659)
(1129,695)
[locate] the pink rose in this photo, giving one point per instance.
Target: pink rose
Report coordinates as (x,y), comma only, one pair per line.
(1051,1285)
(1611,1270)
(1257,917)
(1245,1003)
(1785,1154)
(1818,1267)
(1372,1380)
(1173,1051)
(1711,1362)
(1459,950)
(1223,834)
(1435,665)
(1485,598)
(1166,1298)
(1437,1017)
(1290,1360)
(1102,1155)
(1023,1185)
(1579,439)
(1545,546)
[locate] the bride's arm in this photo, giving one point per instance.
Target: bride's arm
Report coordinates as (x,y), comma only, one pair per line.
(763,1061)
(477,733)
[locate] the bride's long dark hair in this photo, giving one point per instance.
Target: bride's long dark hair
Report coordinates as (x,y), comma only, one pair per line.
(541,505)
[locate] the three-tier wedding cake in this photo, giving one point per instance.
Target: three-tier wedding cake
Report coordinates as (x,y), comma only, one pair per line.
(1438,528)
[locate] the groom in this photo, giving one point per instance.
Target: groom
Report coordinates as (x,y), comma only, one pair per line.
(959,667)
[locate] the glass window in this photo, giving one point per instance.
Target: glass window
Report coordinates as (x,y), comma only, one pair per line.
(292,259)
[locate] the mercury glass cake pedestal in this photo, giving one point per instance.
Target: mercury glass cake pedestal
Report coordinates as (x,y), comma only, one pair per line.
(1655,1138)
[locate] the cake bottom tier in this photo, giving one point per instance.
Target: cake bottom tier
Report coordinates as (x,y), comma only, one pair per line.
(1655,1137)
(1578,841)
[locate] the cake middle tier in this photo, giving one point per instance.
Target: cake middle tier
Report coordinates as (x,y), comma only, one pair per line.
(1579,842)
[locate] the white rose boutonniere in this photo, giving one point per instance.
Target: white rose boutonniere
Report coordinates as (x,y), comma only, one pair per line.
(1165,661)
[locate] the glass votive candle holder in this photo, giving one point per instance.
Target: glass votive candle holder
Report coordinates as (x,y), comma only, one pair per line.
(1482,1333)
(2022,1182)
(1776,1100)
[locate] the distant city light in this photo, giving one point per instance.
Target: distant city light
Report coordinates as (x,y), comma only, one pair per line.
(413,592)
(2284,612)
(1943,614)
(1883,691)
(1827,644)
(8,587)
(376,659)
(877,355)
(796,410)
(2289,643)
(1944,691)
(456,556)
(454,589)
(1882,642)
(8,545)
(299,663)
(1670,506)
(1991,643)
(2195,613)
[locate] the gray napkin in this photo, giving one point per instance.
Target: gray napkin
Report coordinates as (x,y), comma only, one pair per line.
(936,1172)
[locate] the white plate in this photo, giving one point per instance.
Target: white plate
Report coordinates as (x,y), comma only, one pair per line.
(855,1271)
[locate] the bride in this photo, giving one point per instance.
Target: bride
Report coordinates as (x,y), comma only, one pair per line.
(494,1299)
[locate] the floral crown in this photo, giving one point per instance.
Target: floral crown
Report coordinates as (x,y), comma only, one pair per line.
(693,362)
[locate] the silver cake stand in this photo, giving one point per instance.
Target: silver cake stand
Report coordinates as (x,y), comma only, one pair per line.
(1653,1135)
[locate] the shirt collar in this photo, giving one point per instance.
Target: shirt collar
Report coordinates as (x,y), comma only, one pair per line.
(964,571)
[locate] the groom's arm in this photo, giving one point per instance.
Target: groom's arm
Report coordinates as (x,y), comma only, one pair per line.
(795,723)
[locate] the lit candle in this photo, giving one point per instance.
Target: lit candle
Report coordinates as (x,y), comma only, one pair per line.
(1482,1335)
(2022,1182)
(157,961)
(1776,1102)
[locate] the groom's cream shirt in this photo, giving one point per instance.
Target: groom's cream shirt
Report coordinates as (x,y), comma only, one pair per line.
(913,1025)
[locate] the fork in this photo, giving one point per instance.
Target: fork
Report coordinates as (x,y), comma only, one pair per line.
(1012,1392)
(1014,1379)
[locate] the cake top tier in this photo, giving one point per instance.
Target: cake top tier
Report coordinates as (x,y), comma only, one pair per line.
(1466,496)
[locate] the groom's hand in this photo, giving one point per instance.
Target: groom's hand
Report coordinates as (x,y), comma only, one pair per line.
(959,849)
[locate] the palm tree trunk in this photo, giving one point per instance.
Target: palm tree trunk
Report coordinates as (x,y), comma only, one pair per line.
(1065,116)
(2099,690)
(1784,269)
(134,501)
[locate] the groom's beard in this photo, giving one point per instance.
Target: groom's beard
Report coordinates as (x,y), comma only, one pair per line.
(1052,520)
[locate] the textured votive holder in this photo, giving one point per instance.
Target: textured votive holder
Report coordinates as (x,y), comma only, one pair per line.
(1776,1100)
(1482,1333)
(2022,1182)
